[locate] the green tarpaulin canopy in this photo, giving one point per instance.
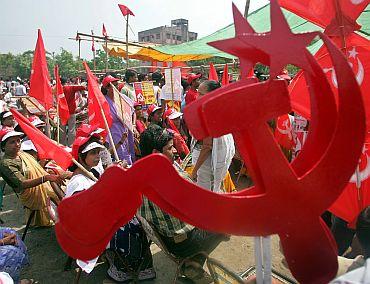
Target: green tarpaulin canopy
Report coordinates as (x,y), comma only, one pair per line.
(260,21)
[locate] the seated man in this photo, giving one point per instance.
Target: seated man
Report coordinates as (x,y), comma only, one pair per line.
(181,239)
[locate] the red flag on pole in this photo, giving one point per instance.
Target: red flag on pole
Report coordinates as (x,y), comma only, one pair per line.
(46,148)
(40,87)
(125,10)
(212,73)
(225,76)
(104,32)
(61,99)
(97,102)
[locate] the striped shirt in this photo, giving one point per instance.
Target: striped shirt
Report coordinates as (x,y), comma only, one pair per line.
(164,223)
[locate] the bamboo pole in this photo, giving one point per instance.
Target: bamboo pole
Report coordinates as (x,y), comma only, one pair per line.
(84,170)
(106,56)
(58,123)
(48,133)
(127,58)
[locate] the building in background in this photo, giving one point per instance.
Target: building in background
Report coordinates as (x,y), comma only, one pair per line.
(177,33)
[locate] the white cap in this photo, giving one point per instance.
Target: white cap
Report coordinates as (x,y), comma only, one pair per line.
(175,115)
(11,134)
(91,146)
(7,114)
(97,131)
(38,122)
(28,146)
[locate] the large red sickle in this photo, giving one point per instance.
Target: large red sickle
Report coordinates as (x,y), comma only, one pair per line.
(85,235)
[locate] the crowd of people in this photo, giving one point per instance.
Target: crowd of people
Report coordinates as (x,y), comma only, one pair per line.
(158,128)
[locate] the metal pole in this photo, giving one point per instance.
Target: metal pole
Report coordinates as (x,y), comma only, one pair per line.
(127,58)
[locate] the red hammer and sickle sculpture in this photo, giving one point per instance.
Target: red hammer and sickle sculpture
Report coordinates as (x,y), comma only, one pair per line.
(287,199)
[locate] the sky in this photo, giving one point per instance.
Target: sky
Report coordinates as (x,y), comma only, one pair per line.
(60,20)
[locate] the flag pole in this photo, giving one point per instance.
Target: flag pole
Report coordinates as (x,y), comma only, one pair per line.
(48,133)
(109,134)
(58,123)
(127,42)
(82,168)
(106,55)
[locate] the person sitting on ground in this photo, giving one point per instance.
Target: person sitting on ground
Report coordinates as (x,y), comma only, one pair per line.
(22,172)
(181,239)
(129,242)
(13,253)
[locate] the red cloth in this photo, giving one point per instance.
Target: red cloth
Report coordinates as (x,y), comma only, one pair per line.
(191,95)
(63,108)
(46,148)
(69,93)
(225,76)
(140,126)
(212,73)
(40,78)
(125,10)
(98,105)
(179,143)
(104,31)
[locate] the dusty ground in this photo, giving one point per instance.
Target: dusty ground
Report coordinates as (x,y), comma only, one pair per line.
(47,259)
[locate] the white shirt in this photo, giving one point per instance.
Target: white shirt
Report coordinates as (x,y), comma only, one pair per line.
(3,106)
(20,90)
(78,183)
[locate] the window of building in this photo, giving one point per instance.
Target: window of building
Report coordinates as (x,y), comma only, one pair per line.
(168,36)
(179,38)
(173,36)
(147,38)
(157,36)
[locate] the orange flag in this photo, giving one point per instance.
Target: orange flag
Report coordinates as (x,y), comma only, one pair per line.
(61,99)
(40,87)
(225,76)
(98,105)
(212,73)
(46,148)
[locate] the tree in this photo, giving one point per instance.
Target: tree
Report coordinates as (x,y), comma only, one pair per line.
(68,66)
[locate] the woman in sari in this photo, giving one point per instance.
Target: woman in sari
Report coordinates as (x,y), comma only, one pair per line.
(22,172)
(129,242)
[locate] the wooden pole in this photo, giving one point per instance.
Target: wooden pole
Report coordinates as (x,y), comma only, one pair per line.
(48,134)
(58,123)
(246,10)
(82,168)
(106,56)
(127,58)
(109,135)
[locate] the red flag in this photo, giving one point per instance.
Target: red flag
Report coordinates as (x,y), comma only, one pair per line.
(212,73)
(324,13)
(104,32)
(284,132)
(46,148)
(97,102)
(356,196)
(40,87)
(358,54)
(125,10)
(61,99)
(225,76)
